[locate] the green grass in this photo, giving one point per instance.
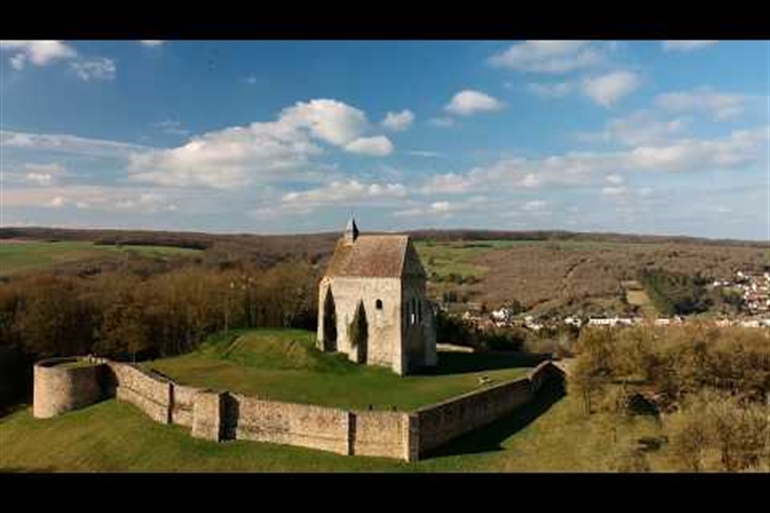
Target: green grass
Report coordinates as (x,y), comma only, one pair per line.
(27,256)
(285,365)
(445,258)
(547,435)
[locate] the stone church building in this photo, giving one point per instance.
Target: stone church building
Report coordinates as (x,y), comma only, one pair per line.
(380,277)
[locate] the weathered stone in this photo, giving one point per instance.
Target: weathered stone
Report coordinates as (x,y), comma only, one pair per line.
(384,274)
(208,410)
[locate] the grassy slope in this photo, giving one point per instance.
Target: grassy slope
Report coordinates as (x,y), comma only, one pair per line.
(115,436)
(28,256)
(284,365)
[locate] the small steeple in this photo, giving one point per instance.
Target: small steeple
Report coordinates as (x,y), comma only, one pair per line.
(351,231)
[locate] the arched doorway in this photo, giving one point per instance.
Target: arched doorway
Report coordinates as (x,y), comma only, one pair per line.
(329,322)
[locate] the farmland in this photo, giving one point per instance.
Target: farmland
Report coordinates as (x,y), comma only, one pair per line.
(19,256)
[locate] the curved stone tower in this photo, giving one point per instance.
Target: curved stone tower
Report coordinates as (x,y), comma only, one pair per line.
(64,384)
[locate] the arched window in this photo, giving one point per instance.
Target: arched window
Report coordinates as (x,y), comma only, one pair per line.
(378,304)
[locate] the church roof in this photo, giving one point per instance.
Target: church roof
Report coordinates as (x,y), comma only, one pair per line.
(375,256)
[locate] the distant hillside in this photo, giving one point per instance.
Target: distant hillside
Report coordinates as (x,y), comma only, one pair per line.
(324,242)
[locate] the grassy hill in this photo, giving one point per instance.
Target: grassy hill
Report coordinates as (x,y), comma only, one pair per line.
(21,255)
(284,365)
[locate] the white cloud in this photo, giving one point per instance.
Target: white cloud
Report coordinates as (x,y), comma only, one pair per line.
(107,199)
(721,106)
(469,102)
(550,90)
(39,53)
(686,46)
(614,179)
(235,156)
(329,120)
(437,208)
(398,121)
(44,174)
(608,89)
(642,127)
(335,193)
(423,153)
(152,42)
(614,191)
(172,127)
(442,122)
(378,146)
(61,143)
(741,148)
(554,57)
(448,183)
(534,205)
(100,68)
(57,201)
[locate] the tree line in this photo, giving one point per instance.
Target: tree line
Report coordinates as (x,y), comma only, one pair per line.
(132,316)
(707,385)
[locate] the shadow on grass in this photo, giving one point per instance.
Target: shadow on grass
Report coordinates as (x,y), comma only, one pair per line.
(461,363)
(489,437)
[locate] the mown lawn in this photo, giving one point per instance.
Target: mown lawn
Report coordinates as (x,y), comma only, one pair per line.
(549,435)
(285,365)
(34,255)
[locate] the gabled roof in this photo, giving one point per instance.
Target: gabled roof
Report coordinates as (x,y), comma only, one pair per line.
(374,256)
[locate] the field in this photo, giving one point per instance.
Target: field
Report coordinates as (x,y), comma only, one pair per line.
(284,365)
(636,296)
(549,435)
(21,256)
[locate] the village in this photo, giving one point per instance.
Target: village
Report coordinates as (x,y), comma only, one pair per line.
(753,287)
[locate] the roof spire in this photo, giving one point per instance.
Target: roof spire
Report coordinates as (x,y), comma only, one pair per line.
(351,231)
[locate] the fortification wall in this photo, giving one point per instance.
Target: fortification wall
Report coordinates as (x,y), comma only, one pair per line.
(150,393)
(222,415)
(182,403)
(305,425)
(60,387)
(442,422)
(380,433)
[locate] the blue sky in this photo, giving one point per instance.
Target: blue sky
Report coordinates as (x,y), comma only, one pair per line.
(280,136)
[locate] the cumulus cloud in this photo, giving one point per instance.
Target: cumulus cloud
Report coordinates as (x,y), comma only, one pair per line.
(378,146)
(608,89)
(686,46)
(741,148)
(550,90)
(720,106)
(398,121)
(335,193)
(100,68)
(233,157)
(38,53)
(554,57)
(642,127)
(329,120)
(152,42)
(468,102)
